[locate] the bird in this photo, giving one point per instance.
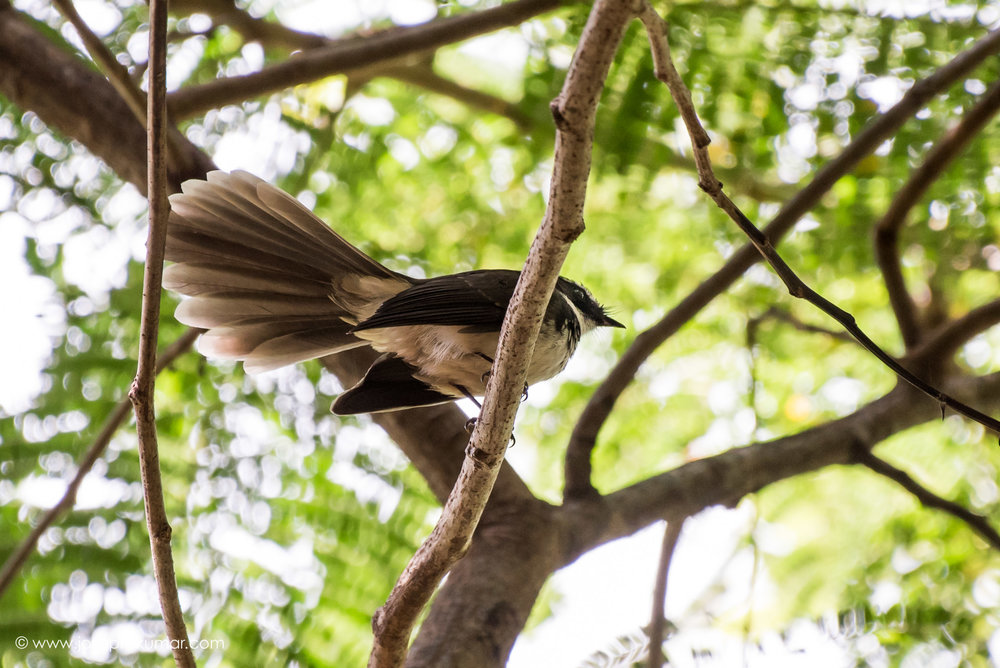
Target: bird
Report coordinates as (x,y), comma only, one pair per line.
(272,284)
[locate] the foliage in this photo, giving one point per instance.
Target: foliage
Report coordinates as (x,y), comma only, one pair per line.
(290,526)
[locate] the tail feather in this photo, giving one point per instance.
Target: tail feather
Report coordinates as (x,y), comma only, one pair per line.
(231,309)
(187,245)
(207,215)
(261,270)
(267,346)
(304,345)
(197,279)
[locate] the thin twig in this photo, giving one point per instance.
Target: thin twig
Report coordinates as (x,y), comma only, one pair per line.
(601,403)
(775,313)
(114,420)
(574,111)
(887,229)
(116,74)
(423,75)
(977,523)
(141,393)
(665,71)
(353,54)
(658,618)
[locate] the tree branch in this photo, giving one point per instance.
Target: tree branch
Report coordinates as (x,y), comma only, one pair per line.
(574,111)
(939,346)
(658,618)
(423,75)
(665,71)
(584,437)
(113,70)
(775,313)
(928,498)
(111,425)
(887,230)
(37,75)
(141,393)
(353,54)
(252,28)
(726,478)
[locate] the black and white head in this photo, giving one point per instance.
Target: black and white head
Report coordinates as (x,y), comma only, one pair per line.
(589,312)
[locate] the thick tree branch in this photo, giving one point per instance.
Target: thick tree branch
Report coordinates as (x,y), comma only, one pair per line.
(887,229)
(977,523)
(141,393)
(433,438)
(353,54)
(36,75)
(419,73)
(603,400)
(574,111)
(726,478)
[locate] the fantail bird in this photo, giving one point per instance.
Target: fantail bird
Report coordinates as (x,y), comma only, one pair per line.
(274,285)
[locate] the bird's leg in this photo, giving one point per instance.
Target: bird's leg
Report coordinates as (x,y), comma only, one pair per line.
(471,422)
(524,392)
(490,360)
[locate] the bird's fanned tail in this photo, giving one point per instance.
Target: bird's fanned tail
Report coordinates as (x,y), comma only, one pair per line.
(260,270)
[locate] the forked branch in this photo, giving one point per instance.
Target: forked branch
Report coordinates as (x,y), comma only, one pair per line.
(887,229)
(977,523)
(584,437)
(666,72)
(574,111)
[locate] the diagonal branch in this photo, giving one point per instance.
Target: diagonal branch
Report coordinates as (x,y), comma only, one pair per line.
(113,70)
(353,54)
(887,229)
(977,523)
(574,111)
(584,437)
(665,71)
(141,393)
(796,287)
(111,425)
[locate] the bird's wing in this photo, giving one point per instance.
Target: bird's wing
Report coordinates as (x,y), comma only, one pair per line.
(389,385)
(475,300)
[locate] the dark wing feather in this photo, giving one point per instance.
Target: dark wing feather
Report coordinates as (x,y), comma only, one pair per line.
(477,300)
(389,385)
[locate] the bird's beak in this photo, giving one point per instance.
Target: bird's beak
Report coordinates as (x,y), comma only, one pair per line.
(610,322)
